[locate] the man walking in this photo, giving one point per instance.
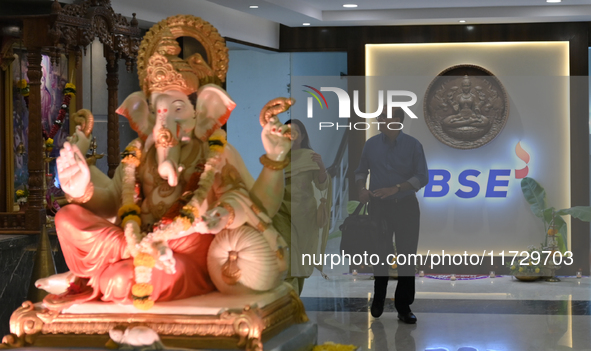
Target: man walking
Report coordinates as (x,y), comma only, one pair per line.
(398,169)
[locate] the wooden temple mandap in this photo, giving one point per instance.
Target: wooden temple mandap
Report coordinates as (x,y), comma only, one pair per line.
(39,37)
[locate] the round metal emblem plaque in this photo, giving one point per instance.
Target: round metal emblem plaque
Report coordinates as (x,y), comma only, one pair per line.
(466,107)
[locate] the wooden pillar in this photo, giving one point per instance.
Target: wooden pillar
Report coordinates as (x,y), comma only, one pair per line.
(35,151)
(112,117)
(75,75)
(6,131)
(34,35)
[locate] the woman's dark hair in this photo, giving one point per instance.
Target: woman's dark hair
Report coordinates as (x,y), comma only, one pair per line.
(193,98)
(305,140)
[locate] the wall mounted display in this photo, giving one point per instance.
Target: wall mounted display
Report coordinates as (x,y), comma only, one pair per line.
(474,201)
(466,106)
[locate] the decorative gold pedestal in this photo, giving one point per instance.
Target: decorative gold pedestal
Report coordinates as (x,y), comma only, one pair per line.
(34,325)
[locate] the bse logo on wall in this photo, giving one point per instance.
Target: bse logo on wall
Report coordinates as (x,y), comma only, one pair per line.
(496,183)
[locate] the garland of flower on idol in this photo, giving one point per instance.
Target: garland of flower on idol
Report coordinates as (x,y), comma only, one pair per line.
(69,92)
(139,244)
(23,89)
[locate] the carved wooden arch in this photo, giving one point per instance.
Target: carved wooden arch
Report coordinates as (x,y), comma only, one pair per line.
(77,25)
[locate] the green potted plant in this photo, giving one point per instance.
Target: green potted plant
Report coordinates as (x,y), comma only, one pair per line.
(535,195)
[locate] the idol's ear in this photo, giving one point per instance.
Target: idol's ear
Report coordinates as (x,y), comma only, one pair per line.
(135,108)
(213,110)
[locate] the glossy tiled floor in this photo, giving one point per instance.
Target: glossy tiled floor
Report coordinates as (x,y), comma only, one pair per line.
(499,314)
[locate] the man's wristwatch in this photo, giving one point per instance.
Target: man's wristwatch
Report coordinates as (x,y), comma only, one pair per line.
(398,186)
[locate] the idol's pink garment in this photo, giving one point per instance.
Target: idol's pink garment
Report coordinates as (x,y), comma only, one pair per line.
(94,248)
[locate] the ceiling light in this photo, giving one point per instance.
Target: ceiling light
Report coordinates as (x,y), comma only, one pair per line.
(306,24)
(462,21)
(553,0)
(350,5)
(254,7)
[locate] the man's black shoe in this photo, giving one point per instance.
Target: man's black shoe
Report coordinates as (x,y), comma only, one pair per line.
(380,290)
(408,318)
(377,306)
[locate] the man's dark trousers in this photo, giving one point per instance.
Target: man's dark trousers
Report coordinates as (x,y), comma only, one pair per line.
(402,219)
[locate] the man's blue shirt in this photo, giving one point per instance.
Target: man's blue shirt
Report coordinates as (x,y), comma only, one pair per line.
(391,163)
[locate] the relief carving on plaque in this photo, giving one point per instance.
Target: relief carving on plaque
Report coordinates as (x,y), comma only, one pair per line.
(466,107)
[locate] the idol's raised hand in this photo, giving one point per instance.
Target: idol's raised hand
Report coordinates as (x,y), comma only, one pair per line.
(72,171)
(276,144)
(276,136)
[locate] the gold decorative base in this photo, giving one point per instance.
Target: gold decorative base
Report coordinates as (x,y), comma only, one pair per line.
(33,325)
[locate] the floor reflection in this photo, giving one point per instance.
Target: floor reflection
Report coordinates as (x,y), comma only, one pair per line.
(466,317)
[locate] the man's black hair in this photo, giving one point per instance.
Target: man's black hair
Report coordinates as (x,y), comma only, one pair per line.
(397,112)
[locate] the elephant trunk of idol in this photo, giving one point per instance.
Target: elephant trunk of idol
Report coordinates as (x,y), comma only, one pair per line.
(168,151)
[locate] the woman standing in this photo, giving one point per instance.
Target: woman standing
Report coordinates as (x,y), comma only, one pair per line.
(303,223)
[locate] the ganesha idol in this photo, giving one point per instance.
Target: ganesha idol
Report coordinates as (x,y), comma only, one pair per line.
(181,216)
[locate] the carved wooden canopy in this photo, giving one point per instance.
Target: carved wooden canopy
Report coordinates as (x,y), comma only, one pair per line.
(58,29)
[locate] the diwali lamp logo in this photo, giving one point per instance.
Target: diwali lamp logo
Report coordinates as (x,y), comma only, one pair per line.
(523,156)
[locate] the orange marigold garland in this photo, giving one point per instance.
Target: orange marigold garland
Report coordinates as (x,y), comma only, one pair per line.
(131,222)
(141,245)
(141,290)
